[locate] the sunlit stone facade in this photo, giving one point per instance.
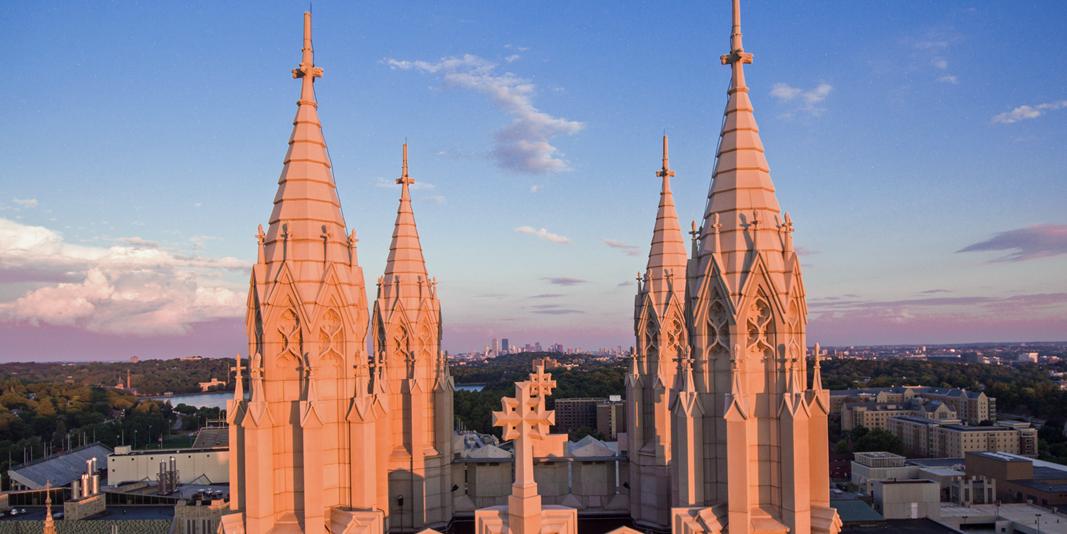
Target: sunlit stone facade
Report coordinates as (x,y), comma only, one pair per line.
(747,424)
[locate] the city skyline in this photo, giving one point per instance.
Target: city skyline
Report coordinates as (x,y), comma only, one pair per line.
(123,231)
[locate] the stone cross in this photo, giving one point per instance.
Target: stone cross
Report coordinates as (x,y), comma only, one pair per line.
(525,419)
(541,384)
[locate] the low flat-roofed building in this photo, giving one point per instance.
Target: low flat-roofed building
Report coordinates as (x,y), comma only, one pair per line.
(1021,479)
(868,467)
(907,499)
(206,466)
(1019,518)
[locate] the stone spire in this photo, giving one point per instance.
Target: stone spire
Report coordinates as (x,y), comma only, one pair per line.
(306,226)
(667,255)
(405,270)
(306,325)
(406,324)
(661,339)
(746,292)
(742,193)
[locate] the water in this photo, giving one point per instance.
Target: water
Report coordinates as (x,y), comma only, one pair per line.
(215,399)
(470,387)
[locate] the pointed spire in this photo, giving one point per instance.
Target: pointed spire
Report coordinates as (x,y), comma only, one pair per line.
(741,192)
(306,202)
(667,253)
(405,266)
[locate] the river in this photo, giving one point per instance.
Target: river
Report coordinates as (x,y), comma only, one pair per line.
(215,399)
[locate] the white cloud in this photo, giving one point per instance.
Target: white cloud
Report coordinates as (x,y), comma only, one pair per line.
(939,63)
(949,78)
(25,202)
(542,233)
(807,100)
(525,144)
(1026,112)
(536,188)
(132,287)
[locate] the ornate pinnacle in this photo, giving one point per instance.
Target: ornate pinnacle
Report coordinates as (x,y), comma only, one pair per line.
(260,238)
(665,172)
(694,235)
(404,178)
(787,227)
(238,379)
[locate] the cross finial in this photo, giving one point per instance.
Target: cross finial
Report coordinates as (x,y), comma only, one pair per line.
(541,383)
(307,66)
(693,231)
(665,172)
(404,178)
(737,50)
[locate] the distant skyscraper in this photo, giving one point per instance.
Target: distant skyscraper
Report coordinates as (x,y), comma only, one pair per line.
(505,346)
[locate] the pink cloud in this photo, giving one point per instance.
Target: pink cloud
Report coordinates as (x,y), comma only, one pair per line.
(1028,243)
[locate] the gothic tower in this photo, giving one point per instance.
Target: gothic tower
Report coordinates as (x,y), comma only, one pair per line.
(662,338)
(299,464)
(750,438)
(406,322)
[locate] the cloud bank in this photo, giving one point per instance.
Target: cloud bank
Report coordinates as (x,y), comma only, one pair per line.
(134,287)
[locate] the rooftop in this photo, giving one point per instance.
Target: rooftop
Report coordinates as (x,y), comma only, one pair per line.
(61,469)
(214,436)
(898,526)
(1024,514)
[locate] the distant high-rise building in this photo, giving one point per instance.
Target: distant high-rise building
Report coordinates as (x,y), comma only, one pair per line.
(505,346)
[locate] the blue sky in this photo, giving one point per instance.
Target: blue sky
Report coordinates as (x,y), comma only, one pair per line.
(898,135)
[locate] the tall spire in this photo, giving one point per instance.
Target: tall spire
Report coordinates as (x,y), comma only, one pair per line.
(405,270)
(306,224)
(742,194)
(667,255)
